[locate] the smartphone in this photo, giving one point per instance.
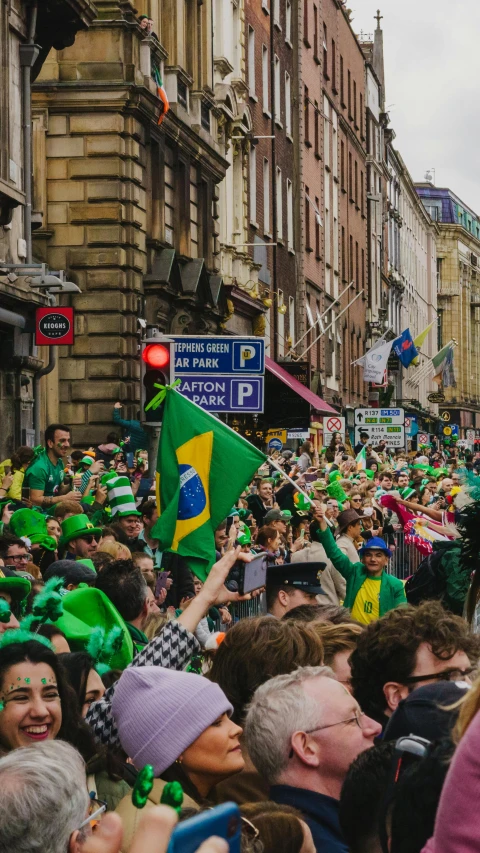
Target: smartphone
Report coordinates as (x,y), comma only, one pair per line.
(223,821)
(161,583)
(310,478)
(302,533)
(25,493)
(254,574)
(7,469)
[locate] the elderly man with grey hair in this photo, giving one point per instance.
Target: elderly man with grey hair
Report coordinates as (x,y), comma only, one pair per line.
(302,732)
(45,806)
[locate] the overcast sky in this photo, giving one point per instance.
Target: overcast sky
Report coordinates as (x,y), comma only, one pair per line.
(432,71)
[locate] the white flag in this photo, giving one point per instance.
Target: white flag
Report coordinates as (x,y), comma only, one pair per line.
(362,360)
(376,362)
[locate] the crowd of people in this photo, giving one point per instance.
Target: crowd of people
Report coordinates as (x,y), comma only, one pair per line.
(337,706)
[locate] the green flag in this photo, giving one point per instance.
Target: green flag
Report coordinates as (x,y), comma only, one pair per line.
(203,467)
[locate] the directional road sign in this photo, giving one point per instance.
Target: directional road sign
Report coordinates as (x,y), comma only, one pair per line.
(224,393)
(219,355)
(381,425)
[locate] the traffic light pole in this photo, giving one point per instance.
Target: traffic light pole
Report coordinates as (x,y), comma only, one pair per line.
(153,433)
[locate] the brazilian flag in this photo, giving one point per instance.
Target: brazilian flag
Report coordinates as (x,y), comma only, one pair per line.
(203,467)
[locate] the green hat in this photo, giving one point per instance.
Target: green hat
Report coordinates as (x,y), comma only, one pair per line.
(120,495)
(370,474)
(406,493)
(87,608)
(244,513)
(17,587)
(335,491)
(244,537)
(320,485)
(75,526)
(334,475)
(32,524)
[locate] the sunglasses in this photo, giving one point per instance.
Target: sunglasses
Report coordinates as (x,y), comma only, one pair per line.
(91,537)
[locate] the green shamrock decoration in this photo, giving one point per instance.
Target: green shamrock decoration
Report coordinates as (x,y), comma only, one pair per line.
(143,786)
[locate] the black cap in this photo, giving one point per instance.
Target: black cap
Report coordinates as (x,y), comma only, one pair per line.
(427,712)
(303,576)
(71,571)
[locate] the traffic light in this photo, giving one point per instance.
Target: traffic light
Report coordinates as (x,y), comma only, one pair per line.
(157,368)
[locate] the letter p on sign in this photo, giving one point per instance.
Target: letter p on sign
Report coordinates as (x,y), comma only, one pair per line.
(247,353)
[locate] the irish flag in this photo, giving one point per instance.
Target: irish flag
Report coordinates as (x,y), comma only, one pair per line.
(361,460)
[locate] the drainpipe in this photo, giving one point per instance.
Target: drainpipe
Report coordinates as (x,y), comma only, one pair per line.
(28,55)
(274,187)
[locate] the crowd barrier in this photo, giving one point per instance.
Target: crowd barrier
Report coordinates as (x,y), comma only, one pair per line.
(406,558)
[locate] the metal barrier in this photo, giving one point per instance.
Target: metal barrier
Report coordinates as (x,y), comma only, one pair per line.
(244,610)
(406,558)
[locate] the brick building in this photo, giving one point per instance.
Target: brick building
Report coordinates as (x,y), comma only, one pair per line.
(333,199)
(271,47)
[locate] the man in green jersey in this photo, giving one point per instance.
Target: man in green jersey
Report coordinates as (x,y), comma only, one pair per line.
(44,477)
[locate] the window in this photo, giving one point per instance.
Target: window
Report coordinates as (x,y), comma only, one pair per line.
(334,67)
(276,13)
(362,194)
(288,21)
(281,324)
(308,247)
(291,318)
(278,91)
(311,321)
(349,94)
(356,183)
(335,143)
(344,265)
(169,195)
(194,213)
(350,176)
(325,53)
(362,135)
(315,32)
(265,78)
(326,131)
(307,116)
(266,196)
(350,258)
(316,132)
(317,230)
(251,61)
(266,6)
(355,104)
(342,165)
(288,104)
(342,83)
(363,270)
(305,23)
(252,167)
(357,268)
(289,215)
(279,203)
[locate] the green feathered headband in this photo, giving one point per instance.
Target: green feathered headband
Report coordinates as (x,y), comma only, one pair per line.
(103,647)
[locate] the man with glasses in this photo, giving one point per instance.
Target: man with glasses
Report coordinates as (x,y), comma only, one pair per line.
(302,732)
(79,538)
(407,648)
(15,555)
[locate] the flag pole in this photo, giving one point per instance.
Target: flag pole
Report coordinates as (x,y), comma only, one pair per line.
(284,474)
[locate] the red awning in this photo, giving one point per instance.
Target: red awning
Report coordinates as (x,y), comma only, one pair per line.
(315,401)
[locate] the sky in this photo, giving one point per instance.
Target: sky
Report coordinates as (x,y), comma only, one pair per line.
(432,77)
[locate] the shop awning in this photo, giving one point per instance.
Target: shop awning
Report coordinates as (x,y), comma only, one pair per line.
(315,401)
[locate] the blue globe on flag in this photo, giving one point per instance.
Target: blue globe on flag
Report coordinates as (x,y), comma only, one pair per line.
(192,500)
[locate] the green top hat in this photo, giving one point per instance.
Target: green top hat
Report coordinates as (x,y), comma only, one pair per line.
(244,536)
(406,493)
(76,526)
(32,524)
(87,608)
(17,587)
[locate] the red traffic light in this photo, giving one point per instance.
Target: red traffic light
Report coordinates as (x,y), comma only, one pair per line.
(156,355)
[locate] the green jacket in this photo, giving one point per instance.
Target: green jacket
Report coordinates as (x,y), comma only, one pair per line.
(392,591)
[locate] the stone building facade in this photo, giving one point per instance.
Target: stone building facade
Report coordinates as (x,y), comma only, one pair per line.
(458,276)
(136,202)
(27,34)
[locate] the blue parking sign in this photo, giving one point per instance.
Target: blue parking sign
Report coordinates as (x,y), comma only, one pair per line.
(248,356)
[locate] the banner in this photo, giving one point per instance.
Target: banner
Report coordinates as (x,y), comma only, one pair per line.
(376,363)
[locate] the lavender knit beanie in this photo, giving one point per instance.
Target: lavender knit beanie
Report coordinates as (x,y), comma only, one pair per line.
(159,712)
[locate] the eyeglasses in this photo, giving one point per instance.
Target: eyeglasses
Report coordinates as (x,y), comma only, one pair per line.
(96,808)
(444,675)
(357,718)
(249,830)
(355,500)
(90,538)
(20,558)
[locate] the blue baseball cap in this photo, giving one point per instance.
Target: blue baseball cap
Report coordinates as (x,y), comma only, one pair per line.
(376,543)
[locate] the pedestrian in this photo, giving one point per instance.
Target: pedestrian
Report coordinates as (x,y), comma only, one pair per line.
(289,586)
(45,475)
